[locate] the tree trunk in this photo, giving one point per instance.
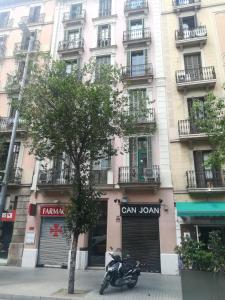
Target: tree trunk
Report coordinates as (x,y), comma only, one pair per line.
(72,265)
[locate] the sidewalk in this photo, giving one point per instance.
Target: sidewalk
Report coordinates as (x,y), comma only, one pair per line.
(49,283)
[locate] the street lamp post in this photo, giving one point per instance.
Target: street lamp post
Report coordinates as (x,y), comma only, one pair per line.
(24,28)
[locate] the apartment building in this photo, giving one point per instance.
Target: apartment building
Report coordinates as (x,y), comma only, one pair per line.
(137,206)
(38,17)
(193,43)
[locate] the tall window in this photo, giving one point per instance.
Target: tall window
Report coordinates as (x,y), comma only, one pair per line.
(71,64)
(26,39)
(105,8)
(2,45)
(3,156)
(136,28)
(138,101)
(101,61)
(104,35)
(34,15)
(4,19)
(75,10)
(137,61)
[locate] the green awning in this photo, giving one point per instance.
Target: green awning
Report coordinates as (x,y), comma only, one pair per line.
(200,209)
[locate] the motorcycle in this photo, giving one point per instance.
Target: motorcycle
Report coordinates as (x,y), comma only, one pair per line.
(120,273)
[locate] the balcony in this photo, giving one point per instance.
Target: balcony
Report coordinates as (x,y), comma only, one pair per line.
(22,48)
(140,178)
(137,73)
(137,37)
(209,181)
(67,47)
(196,78)
(132,7)
(100,177)
(15,176)
(33,20)
(7,24)
(104,43)
(6,125)
(70,19)
(193,37)
(185,5)
(145,120)
(189,131)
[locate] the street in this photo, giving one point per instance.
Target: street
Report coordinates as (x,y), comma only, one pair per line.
(52,283)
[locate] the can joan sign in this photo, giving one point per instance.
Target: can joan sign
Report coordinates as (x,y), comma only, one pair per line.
(142,210)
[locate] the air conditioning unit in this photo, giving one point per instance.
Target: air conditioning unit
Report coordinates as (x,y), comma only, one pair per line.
(150,175)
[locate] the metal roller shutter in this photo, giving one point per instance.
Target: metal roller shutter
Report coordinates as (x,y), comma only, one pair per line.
(140,239)
(54,246)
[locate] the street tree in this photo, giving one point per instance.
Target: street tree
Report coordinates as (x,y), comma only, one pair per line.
(76,113)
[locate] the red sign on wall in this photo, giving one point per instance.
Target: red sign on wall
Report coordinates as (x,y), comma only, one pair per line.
(9,216)
(52,211)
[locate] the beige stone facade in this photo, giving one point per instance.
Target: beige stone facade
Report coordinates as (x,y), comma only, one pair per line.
(194,45)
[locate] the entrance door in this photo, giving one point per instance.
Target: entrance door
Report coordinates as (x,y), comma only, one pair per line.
(140,239)
(97,238)
(5,239)
(54,245)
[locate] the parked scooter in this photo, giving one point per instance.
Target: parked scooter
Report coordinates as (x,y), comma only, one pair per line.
(120,273)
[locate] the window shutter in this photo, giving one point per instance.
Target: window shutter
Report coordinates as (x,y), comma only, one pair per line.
(133,152)
(149,153)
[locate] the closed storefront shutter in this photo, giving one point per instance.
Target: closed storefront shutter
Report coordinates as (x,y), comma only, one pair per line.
(54,245)
(140,239)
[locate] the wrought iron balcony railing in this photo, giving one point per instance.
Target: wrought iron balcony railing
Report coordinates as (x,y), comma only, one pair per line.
(105,12)
(6,124)
(99,177)
(205,179)
(136,34)
(33,19)
(102,43)
(198,74)
(135,4)
(56,177)
(6,24)
(68,16)
(185,2)
(141,117)
(137,71)
(185,34)
(186,127)
(23,47)
(15,176)
(139,175)
(68,45)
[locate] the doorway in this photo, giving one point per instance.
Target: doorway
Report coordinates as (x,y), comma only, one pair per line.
(98,238)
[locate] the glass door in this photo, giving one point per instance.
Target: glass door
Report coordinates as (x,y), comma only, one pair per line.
(137,63)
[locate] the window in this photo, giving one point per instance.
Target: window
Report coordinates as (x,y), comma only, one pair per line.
(4,154)
(4,19)
(138,101)
(105,8)
(137,4)
(100,62)
(192,61)
(75,11)
(34,15)
(73,38)
(137,61)
(26,39)
(201,112)
(2,45)
(188,23)
(104,36)
(136,29)
(70,65)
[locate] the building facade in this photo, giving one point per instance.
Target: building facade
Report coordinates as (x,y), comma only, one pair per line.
(38,16)
(137,208)
(194,57)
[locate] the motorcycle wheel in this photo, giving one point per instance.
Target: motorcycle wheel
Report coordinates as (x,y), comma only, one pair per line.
(104,285)
(132,284)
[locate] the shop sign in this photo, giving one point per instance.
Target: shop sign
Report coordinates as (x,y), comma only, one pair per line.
(142,210)
(8,216)
(52,211)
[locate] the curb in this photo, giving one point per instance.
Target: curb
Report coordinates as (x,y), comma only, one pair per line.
(25,297)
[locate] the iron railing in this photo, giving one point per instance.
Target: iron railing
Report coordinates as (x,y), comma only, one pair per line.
(185,2)
(137,71)
(6,124)
(197,32)
(145,116)
(205,179)
(99,176)
(102,43)
(196,74)
(55,177)
(68,16)
(68,45)
(135,4)
(23,47)
(136,34)
(33,19)
(139,174)
(15,176)
(6,24)
(186,127)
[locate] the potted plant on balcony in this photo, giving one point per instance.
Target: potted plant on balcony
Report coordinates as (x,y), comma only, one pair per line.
(203,268)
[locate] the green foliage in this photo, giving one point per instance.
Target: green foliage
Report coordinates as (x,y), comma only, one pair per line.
(196,256)
(213,124)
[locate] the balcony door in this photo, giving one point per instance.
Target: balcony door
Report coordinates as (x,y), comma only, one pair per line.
(73,38)
(194,116)
(137,61)
(136,29)
(140,158)
(75,10)
(138,104)
(193,64)
(34,14)
(206,177)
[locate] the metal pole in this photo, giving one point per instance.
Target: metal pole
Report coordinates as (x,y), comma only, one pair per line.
(13,135)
